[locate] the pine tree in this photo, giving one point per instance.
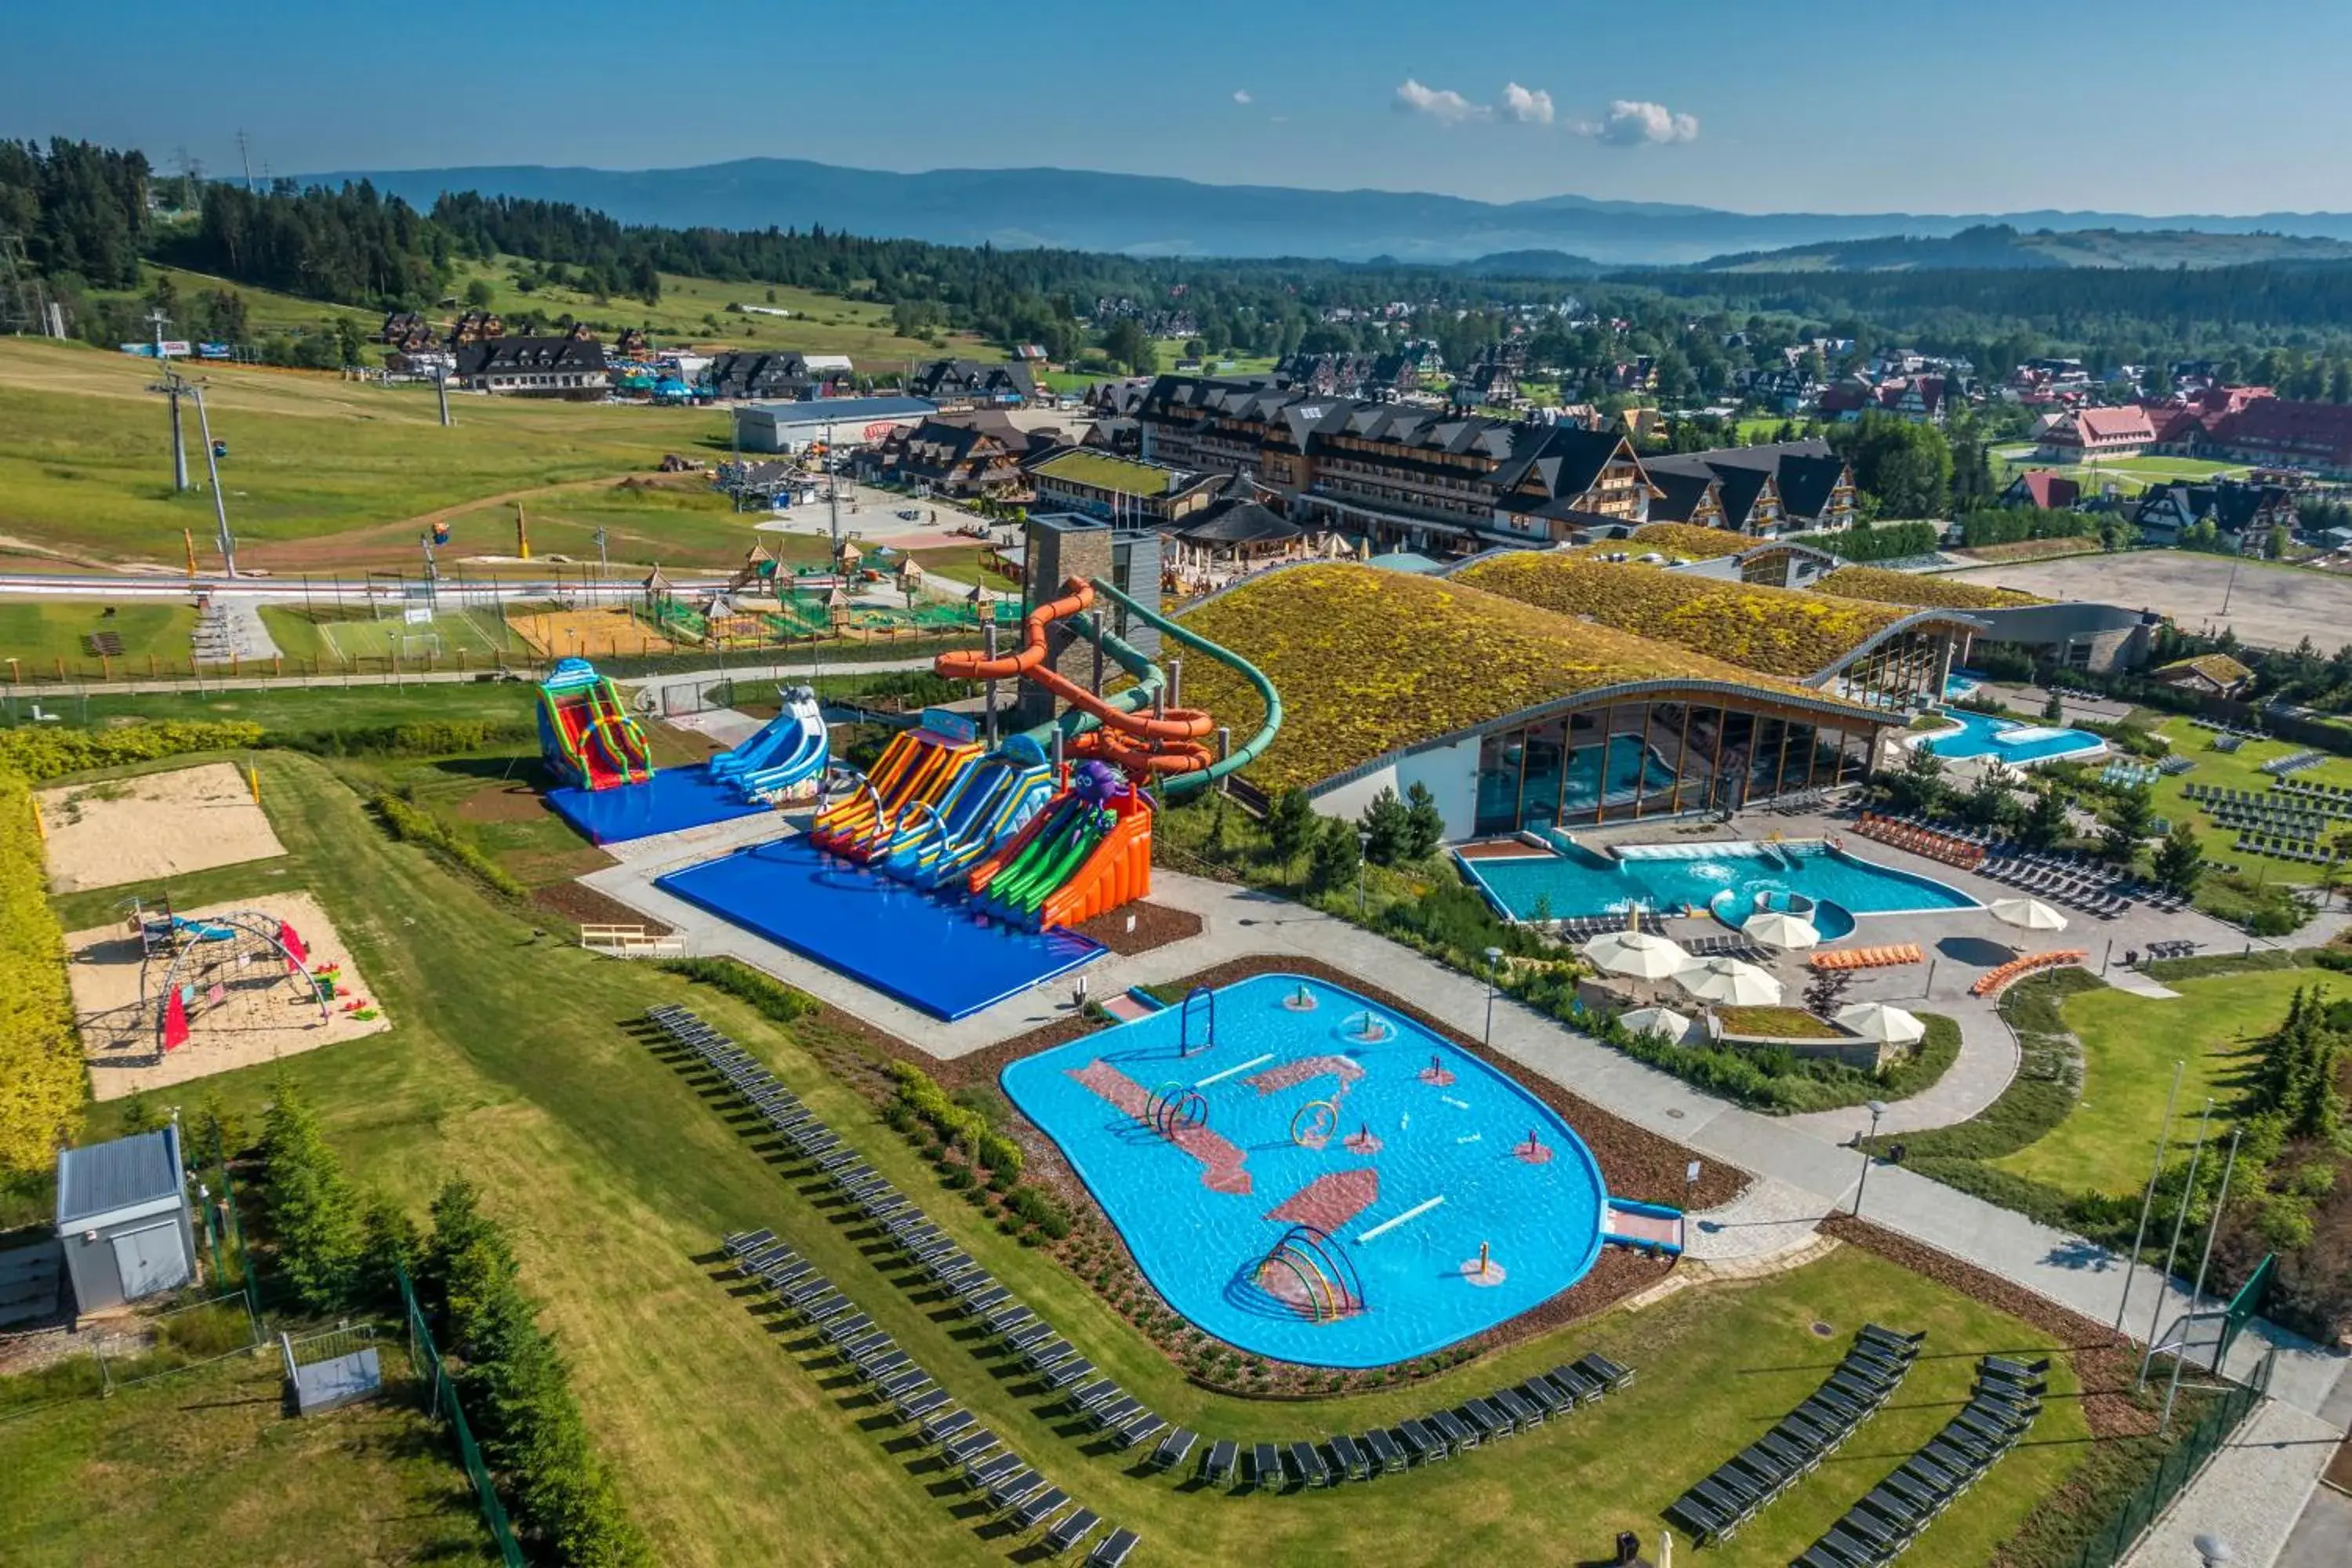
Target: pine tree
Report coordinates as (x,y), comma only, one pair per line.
(1424,823)
(1336,858)
(1385,826)
(2054,711)
(313,1215)
(2046,822)
(2180,860)
(2128,822)
(1291,824)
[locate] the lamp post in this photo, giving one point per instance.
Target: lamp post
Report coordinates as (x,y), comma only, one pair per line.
(1363,847)
(1877,1108)
(1494,958)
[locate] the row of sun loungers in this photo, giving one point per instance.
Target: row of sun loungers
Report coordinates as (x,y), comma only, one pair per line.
(1933,844)
(2089,885)
(1012,1488)
(2171,949)
(1743,1487)
(2283,767)
(1993,981)
(2335,799)
(1898,1509)
(1728,947)
(1424,1440)
(1583,928)
(1868,957)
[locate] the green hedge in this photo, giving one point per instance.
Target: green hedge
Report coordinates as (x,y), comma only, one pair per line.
(430,738)
(771,998)
(48,752)
(411,824)
(40,1055)
(1885,542)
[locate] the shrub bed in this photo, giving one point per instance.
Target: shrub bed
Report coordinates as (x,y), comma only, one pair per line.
(40,1054)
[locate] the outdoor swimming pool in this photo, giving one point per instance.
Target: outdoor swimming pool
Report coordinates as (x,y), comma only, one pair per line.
(1673,877)
(1420,1168)
(2019,743)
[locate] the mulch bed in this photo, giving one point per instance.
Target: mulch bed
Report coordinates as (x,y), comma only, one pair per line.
(586,905)
(1636,1162)
(503,803)
(1156,925)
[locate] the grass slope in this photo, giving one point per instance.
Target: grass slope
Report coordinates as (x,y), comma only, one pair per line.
(86,468)
(2240,769)
(203,1467)
(508,1061)
(38,634)
(2129,1043)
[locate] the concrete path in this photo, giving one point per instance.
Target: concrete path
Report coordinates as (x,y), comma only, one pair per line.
(2322,1538)
(799,669)
(2253,1496)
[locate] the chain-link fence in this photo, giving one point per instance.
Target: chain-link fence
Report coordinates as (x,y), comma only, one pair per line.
(425,1356)
(2180,1467)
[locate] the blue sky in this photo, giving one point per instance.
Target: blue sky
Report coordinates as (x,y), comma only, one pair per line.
(2156,106)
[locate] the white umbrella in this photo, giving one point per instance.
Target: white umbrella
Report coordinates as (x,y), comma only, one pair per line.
(2032,914)
(1642,955)
(1674,1026)
(1730,981)
(1878,1021)
(1778,928)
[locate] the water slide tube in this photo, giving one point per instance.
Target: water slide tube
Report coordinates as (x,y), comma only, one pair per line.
(1167,742)
(1248,750)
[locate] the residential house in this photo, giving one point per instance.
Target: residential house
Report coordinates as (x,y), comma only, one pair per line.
(407,331)
(1118,435)
(2283,432)
(1786,487)
(1493,377)
(2044,488)
(477,326)
(958,455)
(1920,399)
(2237,510)
(966,383)
(1784,390)
(1324,374)
(782,376)
(2084,435)
(1109,398)
(571,368)
(2205,674)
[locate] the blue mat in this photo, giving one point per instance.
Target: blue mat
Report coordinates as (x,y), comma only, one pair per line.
(672,799)
(924,951)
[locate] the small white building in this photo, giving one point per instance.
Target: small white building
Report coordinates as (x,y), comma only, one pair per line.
(847,422)
(123,1220)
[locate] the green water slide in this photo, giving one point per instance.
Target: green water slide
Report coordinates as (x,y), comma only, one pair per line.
(1046,861)
(1179,785)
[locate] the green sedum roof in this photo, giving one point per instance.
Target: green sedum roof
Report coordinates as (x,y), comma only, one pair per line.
(1922,590)
(1371,662)
(1122,475)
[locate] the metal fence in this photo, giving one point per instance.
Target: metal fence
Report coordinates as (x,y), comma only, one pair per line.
(441,1392)
(2180,1466)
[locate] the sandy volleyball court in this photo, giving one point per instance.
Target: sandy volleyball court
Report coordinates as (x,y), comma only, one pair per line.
(153,827)
(248,1006)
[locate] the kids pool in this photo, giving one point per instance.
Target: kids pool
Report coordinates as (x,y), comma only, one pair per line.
(1982,735)
(1672,877)
(1427,1158)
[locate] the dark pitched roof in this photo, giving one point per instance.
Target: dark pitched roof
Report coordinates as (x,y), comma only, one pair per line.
(1684,489)
(1236,521)
(532,356)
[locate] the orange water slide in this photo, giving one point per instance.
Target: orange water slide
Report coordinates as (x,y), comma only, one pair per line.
(1163,743)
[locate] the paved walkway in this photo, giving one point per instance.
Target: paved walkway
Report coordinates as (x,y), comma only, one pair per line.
(2252,1495)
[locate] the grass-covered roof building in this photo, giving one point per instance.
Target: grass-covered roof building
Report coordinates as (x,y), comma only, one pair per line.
(1513,715)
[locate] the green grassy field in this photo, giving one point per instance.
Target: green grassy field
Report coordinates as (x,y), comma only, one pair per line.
(201,1467)
(2129,1043)
(330,635)
(37,633)
(2240,769)
(319,470)
(509,1060)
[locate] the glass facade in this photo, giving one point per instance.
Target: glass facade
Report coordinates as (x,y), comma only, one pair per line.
(1631,760)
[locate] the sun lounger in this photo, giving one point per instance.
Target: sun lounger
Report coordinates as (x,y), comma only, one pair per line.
(1386,1454)
(1114,1550)
(1011,1488)
(968,1446)
(1265,1468)
(1352,1463)
(1173,1447)
(1043,1506)
(1217,1464)
(995,1468)
(939,1428)
(1138,1428)
(1072,1530)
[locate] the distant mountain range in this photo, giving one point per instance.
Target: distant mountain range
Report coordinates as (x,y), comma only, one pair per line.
(1143,215)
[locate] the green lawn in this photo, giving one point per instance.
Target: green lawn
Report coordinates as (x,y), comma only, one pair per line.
(2129,1043)
(37,633)
(508,1061)
(2240,769)
(203,1467)
(329,636)
(86,468)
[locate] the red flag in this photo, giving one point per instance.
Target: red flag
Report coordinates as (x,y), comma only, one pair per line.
(291,941)
(176,1022)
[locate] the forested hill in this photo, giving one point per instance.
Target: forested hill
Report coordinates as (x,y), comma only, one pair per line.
(2002,247)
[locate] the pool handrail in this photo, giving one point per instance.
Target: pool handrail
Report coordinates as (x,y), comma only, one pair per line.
(1184,1021)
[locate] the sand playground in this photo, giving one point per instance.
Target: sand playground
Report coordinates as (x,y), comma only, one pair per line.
(153,827)
(247,1005)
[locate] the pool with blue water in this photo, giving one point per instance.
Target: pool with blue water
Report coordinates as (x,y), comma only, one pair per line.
(2011,739)
(1673,877)
(1427,1156)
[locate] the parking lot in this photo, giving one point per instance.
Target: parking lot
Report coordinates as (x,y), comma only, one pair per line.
(2269,605)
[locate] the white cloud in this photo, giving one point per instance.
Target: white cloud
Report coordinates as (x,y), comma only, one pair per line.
(1631,122)
(1241,95)
(1531,106)
(1442,104)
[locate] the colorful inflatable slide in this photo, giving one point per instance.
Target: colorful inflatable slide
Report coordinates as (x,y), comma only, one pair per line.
(916,769)
(587,738)
(789,751)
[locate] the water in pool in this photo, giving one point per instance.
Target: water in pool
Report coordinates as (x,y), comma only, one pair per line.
(1422,1155)
(1577,882)
(1982,735)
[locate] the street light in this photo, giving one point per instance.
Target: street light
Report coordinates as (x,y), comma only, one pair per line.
(1494,957)
(1877,1108)
(1363,849)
